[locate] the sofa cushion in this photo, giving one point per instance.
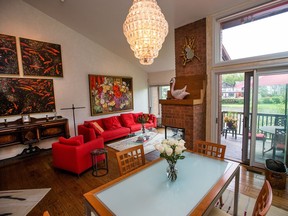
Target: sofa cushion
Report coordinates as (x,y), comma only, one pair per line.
(127,119)
(111,123)
(136,116)
(116,133)
(73,141)
(94,124)
(150,120)
(135,127)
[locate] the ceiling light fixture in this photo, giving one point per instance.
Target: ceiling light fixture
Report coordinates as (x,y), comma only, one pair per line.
(145,28)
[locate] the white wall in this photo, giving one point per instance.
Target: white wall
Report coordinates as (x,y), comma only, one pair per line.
(160,78)
(80,57)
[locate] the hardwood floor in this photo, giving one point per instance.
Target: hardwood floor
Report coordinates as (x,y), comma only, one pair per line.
(66,194)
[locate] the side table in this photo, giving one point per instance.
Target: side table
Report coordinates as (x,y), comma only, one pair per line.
(234,132)
(94,154)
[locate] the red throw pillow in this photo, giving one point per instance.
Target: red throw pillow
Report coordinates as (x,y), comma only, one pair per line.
(93,124)
(127,119)
(136,115)
(74,141)
(150,118)
(111,123)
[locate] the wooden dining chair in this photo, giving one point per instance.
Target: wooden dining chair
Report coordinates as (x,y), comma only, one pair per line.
(212,150)
(130,159)
(261,207)
(209,149)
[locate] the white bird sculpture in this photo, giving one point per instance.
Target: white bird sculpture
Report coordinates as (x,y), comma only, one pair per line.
(178,93)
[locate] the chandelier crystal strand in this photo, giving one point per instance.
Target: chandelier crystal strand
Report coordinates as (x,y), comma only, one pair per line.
(145,28)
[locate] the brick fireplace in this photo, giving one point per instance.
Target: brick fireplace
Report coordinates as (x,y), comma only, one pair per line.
(189,113)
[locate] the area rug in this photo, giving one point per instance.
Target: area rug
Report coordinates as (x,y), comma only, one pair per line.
(246,205)
(20,202)
(134,141)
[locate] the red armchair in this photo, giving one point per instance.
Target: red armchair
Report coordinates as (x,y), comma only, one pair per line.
(73,154)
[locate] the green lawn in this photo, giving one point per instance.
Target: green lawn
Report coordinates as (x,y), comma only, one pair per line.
(262,108)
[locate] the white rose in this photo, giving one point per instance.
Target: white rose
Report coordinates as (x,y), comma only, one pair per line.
(165,146)
(160,148)
(164,141)
(169,151)
(181,142)
(178,150)
(171,142)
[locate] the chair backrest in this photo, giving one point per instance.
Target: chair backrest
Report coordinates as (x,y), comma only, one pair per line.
(130,159)
(209,149)
(264,200)
(280,121)
(279,138)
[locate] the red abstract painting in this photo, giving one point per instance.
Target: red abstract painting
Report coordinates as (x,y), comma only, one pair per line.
(41,58)
(8,55)
(24,96)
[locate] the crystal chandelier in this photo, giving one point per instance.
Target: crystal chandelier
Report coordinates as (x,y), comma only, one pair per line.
(145,28)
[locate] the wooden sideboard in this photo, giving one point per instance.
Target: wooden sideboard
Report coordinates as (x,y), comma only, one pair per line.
(17,132)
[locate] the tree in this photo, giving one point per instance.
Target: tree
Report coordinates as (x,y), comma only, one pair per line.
(233,78)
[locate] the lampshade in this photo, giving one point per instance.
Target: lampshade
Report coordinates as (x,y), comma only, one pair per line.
(145,28)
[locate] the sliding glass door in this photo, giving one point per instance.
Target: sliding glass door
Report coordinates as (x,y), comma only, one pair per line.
(271,117)
(253,116)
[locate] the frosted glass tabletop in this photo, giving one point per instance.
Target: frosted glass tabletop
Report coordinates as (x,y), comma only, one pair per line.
(149,192)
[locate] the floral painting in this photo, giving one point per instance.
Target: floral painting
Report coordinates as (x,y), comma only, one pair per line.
(41,58)
(8,55)
(110,94)
(24,96)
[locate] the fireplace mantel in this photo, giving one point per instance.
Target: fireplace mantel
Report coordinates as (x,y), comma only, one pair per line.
(187,101)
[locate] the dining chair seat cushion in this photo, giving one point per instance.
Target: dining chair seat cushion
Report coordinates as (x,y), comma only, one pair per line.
(258,136)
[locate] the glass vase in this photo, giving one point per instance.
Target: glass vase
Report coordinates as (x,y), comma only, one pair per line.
(172,171)
(143,128)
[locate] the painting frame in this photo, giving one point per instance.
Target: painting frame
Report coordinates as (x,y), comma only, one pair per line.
(110,94)
(41,58)
(8,55)
(20,96)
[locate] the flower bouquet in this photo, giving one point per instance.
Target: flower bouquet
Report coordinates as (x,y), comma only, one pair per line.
(143,119)
(230,122)
(171,150)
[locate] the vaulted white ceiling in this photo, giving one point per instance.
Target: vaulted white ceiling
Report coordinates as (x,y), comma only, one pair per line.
(101,21)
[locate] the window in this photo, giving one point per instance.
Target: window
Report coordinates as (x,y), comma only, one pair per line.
(255,32)
(163,92)
(155,94)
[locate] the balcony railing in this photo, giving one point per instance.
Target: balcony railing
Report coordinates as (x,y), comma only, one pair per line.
(263,119)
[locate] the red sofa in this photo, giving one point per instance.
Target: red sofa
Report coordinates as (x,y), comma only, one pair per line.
(114,127)
(73,154)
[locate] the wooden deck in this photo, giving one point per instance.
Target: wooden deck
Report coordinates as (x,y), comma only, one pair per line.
(234,149)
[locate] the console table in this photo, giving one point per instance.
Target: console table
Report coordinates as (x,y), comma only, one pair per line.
(17,132)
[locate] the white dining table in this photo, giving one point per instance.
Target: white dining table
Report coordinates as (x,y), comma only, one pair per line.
(147,191)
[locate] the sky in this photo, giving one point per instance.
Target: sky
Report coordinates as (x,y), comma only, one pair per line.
(265,36)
